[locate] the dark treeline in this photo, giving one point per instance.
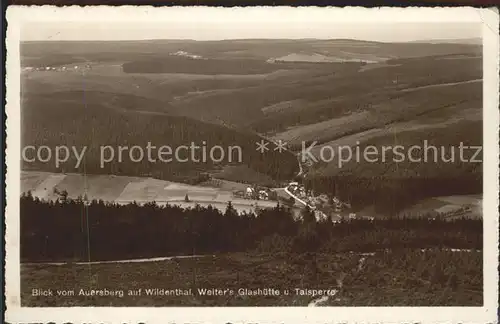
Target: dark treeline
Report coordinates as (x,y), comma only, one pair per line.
(180,64)
(75,230)
(390,196)
(176,64)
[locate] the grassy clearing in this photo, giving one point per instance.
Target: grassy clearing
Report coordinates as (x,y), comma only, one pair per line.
(325,129)
(225,184)
(244,174)
(461,205)
(45,189)
(32,179)
(115,188)
(123,189)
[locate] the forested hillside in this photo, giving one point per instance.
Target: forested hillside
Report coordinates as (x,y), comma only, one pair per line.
(94,119)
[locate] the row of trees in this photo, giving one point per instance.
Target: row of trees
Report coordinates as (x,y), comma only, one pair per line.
(78,230)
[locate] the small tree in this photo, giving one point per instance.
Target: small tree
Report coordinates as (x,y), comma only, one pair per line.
(308,215)
(273,195)
(230,210)
(64,196)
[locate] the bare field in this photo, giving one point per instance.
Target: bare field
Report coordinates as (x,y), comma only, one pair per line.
(31,180)
(105,188)
(342,56)
(324,129)
(122,189)
(225,184)
(469,206)
(243,174)
(282,106)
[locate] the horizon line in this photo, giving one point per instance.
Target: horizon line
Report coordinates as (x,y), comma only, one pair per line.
(465,41)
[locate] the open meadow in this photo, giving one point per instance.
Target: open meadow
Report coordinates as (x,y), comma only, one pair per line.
(125,190)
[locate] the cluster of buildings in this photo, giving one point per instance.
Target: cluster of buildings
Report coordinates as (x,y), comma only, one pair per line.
(186,54)
(256,193)
(306,196)
(297,189)
(322,204)
(63,68)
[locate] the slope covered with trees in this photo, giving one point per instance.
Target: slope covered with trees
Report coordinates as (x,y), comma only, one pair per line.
(94,120)
(73,230)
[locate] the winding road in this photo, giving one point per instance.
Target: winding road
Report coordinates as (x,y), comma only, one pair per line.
(122,261)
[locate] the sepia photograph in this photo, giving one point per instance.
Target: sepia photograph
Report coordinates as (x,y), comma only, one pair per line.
(252,158)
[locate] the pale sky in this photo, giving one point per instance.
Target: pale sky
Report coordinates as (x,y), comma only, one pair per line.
(208,23)
(385,32)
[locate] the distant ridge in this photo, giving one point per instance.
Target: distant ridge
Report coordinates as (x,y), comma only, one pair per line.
(470,41)
(465,41)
